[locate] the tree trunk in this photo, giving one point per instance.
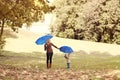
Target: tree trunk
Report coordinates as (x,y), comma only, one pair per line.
(111,35)
(99,37)
(2,28)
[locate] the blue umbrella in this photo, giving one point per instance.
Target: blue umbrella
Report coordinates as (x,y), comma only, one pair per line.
(66,49)
(42,40)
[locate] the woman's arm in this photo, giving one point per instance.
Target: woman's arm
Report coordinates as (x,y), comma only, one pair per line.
(54,46)
(45,47)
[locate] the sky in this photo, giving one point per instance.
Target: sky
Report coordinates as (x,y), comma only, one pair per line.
(42,27)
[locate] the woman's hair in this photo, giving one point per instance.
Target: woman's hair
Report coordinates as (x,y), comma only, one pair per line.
(48,40)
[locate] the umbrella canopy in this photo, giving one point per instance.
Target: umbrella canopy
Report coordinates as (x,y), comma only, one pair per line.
(66,49)
(42,40)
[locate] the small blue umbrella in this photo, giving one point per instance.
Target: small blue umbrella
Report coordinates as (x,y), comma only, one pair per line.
(42,40)
(66,49)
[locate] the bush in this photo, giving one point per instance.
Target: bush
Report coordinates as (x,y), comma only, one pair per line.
(118,42)
(2,44)
(62,34)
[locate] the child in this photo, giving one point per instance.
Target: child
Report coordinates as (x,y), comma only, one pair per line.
(67,57)
(49,52)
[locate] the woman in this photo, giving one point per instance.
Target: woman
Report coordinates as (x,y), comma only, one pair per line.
(49,52)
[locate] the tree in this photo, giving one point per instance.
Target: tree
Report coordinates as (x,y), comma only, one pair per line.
(104,25)
(16,12)
(95,20)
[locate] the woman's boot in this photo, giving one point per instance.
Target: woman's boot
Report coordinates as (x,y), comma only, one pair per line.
(47,65)
(50,65)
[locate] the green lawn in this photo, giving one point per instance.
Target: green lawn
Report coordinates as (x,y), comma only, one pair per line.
(32,66)
(78,61)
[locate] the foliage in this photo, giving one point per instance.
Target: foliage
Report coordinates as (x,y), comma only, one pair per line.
(95,20)
(14,13)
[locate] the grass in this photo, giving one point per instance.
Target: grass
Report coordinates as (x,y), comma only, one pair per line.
(78,61)
(32,66)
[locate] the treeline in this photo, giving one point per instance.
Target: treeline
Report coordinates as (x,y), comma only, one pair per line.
(15,13)
(94,20)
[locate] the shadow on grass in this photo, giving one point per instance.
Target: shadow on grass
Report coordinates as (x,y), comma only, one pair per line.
(22,55)
(1,55)
(10,53)
(94,53)
(79,60)
(22,59)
